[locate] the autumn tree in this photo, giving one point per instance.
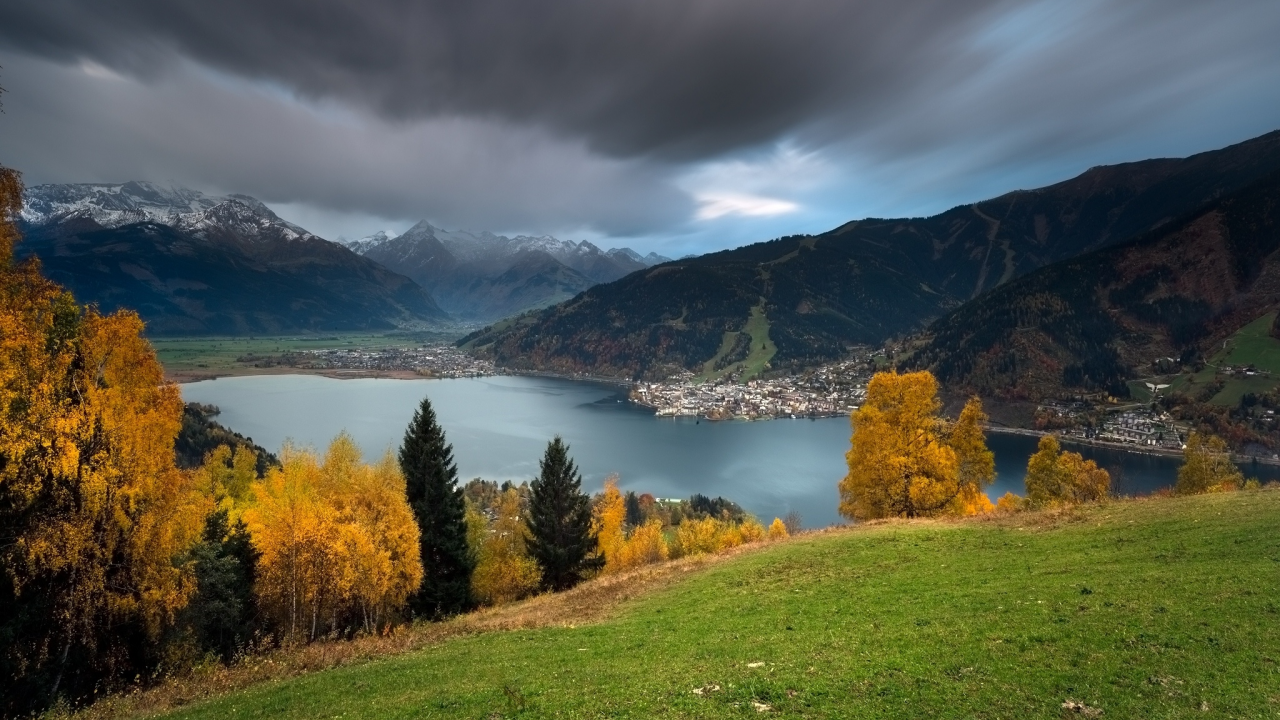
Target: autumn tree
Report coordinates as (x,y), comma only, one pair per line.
(1009,503)
(338,542)
(382,564)
(504,570)
(1207,466)
(426,460)
(296,535)
(976,464)
(904,459)
(778,530)
(93,513)
(750,530)
(1056,478)
(560,521)
(608,519)
(647,545)
(698,536)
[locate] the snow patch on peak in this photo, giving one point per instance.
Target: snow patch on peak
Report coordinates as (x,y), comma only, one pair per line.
(115,205)
(367,243)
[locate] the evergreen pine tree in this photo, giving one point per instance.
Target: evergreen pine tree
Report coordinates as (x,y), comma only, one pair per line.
(221,614)
(431,483)
(635,514)
(560,521)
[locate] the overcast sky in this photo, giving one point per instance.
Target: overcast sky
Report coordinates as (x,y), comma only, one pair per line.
(670,125)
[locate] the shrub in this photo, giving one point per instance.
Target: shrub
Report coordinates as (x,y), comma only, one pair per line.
(778,530)
(1010,503)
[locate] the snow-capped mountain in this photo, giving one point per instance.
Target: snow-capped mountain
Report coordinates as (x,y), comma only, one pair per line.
(191,263)
(117,205)
(483,276)
(466,246)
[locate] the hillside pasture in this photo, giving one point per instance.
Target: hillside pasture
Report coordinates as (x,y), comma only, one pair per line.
(1158,608)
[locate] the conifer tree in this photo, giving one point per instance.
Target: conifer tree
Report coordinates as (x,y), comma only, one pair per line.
(635,514)
(431,479)
(560,521)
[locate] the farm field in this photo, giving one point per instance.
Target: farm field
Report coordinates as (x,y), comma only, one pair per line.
(1158,608)
(220,355)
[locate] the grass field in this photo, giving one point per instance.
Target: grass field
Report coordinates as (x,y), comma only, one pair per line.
(762,349)
(219,354)
(1165,608)
(1250,345)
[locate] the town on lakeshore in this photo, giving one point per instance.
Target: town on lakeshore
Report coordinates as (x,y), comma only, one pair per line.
(828,391)
(832,390)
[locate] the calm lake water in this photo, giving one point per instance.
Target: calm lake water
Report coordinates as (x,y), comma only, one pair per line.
(499,427)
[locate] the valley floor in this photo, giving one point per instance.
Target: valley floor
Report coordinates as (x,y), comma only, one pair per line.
(1158,608)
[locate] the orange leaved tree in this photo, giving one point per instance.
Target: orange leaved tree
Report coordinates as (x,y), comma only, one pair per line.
(1207,466)
(94,514)
(1063,478)
(778,530)
(907,461)
(607,520)
(338,542)
(505,572)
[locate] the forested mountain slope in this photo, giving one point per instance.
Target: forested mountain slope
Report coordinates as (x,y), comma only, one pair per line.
(1096,320)
(812,297)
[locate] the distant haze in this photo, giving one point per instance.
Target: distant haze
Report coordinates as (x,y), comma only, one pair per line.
(673,126)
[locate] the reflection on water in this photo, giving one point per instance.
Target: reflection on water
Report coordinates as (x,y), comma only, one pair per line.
(499,427)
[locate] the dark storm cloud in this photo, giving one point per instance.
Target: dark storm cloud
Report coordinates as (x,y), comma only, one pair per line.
(678,78)
(627,117)
(79,124)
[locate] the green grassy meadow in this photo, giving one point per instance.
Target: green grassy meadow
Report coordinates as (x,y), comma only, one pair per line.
(1250,345)
(1164,608)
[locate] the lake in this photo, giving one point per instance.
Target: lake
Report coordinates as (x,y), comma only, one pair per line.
(499,427)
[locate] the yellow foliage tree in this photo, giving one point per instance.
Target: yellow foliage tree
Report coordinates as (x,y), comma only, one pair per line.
(906,461)
(698,536)
(607,521)
(1056,478)
(1009,503)
(505,571)
(977,464)
(778,530)
(380,533)
(338,541)
(93,511)
(227,475)
(750,530)
(1207,467)
(647,545)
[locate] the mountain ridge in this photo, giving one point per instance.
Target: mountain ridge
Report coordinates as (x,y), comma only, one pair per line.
(196,264)
(484,276)
(1091,322)
(865,281)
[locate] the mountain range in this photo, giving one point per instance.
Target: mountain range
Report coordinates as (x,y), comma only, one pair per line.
(482,276)
(806,299)
(190,263)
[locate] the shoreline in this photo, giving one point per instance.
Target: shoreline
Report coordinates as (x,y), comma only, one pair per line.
(1135,449)
(184,376)
(188,376)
